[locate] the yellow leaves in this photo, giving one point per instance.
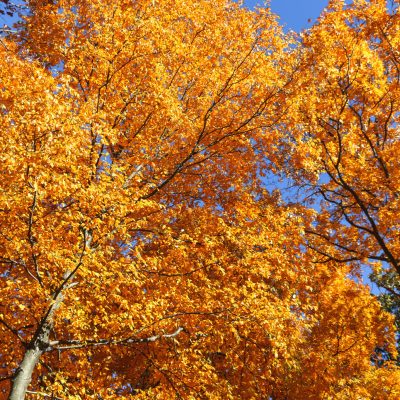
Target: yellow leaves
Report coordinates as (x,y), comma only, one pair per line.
(144,152)
(370,385)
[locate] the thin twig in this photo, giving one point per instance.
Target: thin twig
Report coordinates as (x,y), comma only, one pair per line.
(13,330)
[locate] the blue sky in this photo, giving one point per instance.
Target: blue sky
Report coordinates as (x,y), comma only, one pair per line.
(294,14)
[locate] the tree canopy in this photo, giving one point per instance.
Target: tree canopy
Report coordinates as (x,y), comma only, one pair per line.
(145,250)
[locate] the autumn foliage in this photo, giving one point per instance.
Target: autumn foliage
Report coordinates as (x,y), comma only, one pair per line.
(145,251)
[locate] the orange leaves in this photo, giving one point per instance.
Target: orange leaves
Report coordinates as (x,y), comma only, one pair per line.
(370,386)
(344,131)
(140,254)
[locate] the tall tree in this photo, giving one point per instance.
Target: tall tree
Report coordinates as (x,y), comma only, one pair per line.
(344,136)
(140,255)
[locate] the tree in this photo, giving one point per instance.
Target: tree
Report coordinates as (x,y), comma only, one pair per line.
(344,137)
(346,130)
(140,254)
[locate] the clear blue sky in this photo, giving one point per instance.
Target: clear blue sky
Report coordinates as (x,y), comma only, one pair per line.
(294,14)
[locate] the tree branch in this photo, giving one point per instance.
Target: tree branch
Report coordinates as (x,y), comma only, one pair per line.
(74,344)
(13,330)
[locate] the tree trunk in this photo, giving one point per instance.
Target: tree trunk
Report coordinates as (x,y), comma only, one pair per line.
(40,342)
(37,346)
(23,375)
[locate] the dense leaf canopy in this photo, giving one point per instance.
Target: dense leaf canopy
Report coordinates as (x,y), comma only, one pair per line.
(144,251)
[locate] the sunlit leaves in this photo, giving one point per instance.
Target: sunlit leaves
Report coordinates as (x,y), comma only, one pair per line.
(140,254)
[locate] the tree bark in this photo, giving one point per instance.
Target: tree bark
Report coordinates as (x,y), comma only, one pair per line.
(23,375)
(40,342)
(37,346)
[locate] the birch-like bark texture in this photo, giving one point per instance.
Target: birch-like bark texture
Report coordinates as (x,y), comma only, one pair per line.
(23,375)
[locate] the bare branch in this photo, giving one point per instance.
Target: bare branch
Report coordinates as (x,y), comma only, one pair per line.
(74,344)
(43,394)
(32,240)
(13,330)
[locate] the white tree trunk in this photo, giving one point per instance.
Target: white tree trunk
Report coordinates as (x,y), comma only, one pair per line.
(23,375)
